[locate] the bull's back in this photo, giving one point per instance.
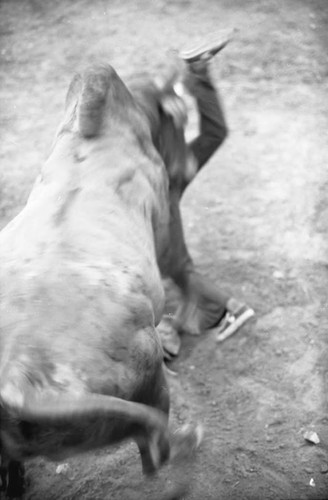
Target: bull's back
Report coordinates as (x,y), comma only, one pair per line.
(104,215)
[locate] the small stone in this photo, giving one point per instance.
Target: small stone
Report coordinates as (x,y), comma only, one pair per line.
(62,469)
(324,469)
(312,483)
(278,275)
(257,71)
(312,437)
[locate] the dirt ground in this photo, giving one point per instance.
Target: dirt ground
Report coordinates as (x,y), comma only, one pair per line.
(256,221)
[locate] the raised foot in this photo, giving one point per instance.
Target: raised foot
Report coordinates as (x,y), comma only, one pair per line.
(232,322)
(207,48)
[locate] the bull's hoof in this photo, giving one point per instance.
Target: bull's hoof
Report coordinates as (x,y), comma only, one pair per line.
(185,441)
(154,452)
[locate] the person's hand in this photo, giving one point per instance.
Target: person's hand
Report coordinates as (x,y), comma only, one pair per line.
(174,106)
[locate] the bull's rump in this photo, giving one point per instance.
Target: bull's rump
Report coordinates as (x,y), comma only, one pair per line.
(77,316)
(52,371)
(76,313)
(54,280)
(70,341)
(76,305)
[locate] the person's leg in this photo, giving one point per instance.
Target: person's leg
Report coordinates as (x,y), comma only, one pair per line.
(201,304)
(206,304)
(215,309)
(213,126)
(197,81)
(167,134)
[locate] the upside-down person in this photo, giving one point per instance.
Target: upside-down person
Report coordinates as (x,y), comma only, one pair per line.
(213,308)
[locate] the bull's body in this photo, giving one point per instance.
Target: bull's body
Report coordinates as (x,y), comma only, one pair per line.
(81,292)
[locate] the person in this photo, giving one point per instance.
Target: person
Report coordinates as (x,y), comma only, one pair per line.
(162,101)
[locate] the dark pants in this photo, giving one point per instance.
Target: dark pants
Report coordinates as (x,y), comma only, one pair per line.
(213,127)
(210,303)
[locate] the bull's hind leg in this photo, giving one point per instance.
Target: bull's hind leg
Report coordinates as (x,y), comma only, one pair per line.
(12,475)
(182,443)
(3,478)
(16,479)
(154,450)
(145,422)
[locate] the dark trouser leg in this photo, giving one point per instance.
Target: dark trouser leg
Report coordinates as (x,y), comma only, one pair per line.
(213,127)
(212,303)
(205,303)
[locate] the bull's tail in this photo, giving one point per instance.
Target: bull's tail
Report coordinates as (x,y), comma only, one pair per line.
(153,438)
(66,408)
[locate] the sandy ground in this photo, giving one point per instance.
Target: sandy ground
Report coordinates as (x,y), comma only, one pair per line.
(255,218)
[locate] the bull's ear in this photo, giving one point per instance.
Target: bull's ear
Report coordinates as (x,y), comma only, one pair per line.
(92,101)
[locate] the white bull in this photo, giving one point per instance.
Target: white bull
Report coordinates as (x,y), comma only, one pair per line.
(81,363)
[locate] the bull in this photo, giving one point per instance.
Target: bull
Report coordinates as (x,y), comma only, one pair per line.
(81,362)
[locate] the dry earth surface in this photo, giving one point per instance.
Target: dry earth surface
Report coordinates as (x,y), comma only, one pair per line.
(255,218)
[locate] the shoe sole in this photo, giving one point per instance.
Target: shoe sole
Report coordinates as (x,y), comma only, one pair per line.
(210,47)
(238,323)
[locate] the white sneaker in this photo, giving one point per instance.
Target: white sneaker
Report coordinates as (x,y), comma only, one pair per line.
(232,321)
